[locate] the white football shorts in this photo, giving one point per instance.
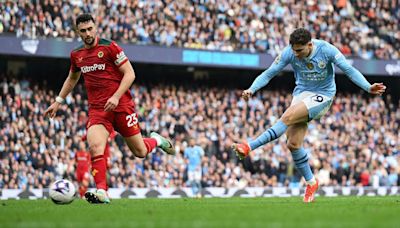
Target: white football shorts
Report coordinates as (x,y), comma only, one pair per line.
(194,175)
(317,104)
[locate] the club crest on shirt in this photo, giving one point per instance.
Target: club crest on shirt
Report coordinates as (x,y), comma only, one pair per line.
(310,66)
(100,54)
(321,64)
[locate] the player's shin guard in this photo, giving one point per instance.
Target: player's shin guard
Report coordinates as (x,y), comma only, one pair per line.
(300,158)
(269,135)
(99,168)
(150,144)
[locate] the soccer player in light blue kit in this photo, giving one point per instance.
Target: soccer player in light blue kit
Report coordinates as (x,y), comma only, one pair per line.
(194,154)
(312,61)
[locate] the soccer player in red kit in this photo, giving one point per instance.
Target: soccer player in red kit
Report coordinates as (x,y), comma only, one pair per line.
(108,75)
(82,159)
(106,154)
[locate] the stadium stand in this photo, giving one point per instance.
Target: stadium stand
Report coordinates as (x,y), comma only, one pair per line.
(368,30)
(355,144)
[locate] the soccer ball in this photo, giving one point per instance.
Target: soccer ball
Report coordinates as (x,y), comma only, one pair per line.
(62,192)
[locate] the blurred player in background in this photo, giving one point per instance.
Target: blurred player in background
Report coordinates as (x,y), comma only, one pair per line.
(82,159)
(106,154)
(312,61)
(194,154)
(108,75)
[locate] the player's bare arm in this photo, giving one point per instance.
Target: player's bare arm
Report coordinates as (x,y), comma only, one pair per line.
(68,86)
(127,80)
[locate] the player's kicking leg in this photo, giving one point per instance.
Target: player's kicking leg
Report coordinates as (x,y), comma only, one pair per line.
(296,113)
(243,149)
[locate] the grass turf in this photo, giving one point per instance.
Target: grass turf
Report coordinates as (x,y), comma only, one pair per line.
(206,212)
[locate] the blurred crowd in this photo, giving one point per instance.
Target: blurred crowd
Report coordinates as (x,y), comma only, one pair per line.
(355,144)
(361,29)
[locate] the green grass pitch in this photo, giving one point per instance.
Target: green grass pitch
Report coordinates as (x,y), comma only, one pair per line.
(338,212)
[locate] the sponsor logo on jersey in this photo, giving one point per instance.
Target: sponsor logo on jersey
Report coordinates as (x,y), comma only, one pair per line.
(120,58)
(82,159)
(315,76)
(94,67)
(100,54)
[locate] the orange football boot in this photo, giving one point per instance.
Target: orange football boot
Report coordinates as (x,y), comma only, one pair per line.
(310,191)
(241,149)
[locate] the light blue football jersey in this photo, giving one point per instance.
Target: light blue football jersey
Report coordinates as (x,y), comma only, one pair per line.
(315,73)
(194,155)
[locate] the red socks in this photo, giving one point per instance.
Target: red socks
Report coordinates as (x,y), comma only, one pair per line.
(150,144)
(99,168)
(82,190)
(99,165)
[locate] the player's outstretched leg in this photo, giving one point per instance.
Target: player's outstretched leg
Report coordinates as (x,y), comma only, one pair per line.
(98,196)
(243,149)
(276,131)
(163,143)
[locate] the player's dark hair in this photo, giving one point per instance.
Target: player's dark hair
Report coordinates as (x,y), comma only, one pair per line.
(83,18)
(300,36)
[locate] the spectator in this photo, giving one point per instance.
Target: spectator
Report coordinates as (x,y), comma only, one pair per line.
(359,141)
(358,28)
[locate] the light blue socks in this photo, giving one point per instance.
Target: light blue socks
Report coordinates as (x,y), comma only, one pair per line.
(300,158)
(269,135)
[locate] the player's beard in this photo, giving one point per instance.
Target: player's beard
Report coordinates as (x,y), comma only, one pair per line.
(89,40)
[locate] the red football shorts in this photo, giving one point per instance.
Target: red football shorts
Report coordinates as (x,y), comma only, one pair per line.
(125,120)
(82,176)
